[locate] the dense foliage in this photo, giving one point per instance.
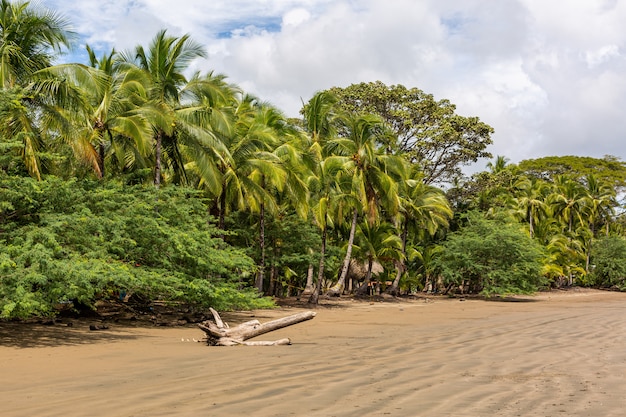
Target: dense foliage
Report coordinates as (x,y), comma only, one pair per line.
(609,263)
(491,257)
(77,242)
(124,176)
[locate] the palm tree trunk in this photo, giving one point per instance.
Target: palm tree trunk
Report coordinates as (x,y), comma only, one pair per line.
(337,289)
(400,265)
(314,298)
(309,287)
(101,155)
(157,160)
(363,289)
(222,216)
(261,273)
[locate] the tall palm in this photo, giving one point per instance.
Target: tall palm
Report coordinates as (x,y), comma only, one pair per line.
(117,122)
(423,207)
(249,168)
(567,201)
(599,202)
(175,120)
(30,36)
(111,118)
(529,202)
(330,196)
(276,173)
(371,176)
(319,116)
(498,165)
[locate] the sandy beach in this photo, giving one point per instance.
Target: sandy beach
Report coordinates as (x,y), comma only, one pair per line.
(553,354)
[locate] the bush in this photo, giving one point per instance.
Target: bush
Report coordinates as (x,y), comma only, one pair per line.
(608,259)
(67,241)
(492,256)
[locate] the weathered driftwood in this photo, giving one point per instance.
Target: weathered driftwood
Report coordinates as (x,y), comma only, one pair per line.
(220,334)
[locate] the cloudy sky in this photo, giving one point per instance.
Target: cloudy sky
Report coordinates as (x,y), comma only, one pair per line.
(549,76)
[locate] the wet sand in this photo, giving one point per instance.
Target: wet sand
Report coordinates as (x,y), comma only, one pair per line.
(554,354)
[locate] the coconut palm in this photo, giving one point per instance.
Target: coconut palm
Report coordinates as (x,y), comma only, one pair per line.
(567,202)
(30,35)
(111,119)
(328,186)
(599,204)
(529,203)
(423,207)
(371,174)
(252,167)
(177,120)
(319,116)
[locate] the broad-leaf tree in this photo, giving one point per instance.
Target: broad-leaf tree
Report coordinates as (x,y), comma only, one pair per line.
(426,131)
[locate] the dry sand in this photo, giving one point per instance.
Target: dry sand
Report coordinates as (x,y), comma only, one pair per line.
(554,355)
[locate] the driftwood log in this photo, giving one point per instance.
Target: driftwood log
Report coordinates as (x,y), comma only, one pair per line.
(220,334)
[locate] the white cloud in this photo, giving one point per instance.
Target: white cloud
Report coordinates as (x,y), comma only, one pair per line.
(601,55)
(295,17)
(548,76)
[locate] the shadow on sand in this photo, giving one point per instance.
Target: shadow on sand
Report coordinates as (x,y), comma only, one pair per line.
(29,335)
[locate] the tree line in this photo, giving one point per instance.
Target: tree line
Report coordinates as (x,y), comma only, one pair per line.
(128,175)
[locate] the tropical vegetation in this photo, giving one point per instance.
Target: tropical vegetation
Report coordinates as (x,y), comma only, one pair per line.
(131,176)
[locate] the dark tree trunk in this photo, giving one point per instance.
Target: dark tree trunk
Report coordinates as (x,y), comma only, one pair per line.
(157,159)
(364,288)
(101,155)
(260,278)
(221,223)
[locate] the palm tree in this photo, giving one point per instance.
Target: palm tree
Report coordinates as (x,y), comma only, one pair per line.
(328,186)
(319,118)
(599,202)
(567,201)
(370,172)
(498,165)
(252,165)
(29,38)
(30,35)
(111,117)
(423,207)
(530,202)
(375,243)
(175,119)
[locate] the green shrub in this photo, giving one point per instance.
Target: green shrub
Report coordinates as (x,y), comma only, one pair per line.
(492,256)
(67,241)
(608,259)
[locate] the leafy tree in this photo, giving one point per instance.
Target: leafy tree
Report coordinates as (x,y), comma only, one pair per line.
(426,131)
(491,257)
(609,169)
(609,263)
